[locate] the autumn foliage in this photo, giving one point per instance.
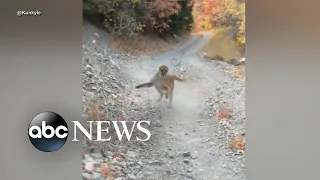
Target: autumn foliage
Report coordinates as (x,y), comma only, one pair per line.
(160,12)
(167,18)
(214,14)
(127,18)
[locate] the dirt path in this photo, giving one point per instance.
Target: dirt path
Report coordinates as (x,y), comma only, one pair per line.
(189,144)
(188,141)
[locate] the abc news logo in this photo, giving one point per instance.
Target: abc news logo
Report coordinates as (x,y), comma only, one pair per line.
(48,131)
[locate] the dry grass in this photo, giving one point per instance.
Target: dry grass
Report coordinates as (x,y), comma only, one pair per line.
(221,47)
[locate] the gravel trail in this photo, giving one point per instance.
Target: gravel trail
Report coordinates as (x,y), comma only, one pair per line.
(188,141)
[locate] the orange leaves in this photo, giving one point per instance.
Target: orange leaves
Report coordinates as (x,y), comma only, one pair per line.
(222,115)
(203,11)
(238,143)
(161,10)
(223,111)
(105,171)
(116,155)
(239,72)
(169,6)
(209,7)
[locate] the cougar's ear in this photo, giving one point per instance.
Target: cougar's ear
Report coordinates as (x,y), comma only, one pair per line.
(162,67)
(166,69)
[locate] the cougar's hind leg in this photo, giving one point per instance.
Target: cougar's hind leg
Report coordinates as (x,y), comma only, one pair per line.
(170,93)
(170,97)
(167,91)
(166,94)
(161,96)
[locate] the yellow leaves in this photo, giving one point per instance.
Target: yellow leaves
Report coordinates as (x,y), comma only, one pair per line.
(241,39)
(134,2)
(140,27)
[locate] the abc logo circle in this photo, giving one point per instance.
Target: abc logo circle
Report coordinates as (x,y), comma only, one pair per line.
(48,132)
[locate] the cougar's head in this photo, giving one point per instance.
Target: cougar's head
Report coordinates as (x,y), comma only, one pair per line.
(163,70)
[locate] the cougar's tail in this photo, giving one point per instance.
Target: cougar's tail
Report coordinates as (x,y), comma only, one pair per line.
(148,84)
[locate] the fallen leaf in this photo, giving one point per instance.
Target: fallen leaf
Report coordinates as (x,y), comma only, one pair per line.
(105,171)
(223,114)
(238,143)
(116,155)
(121,118)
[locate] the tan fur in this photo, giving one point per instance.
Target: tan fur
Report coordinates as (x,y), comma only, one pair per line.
(163,83)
